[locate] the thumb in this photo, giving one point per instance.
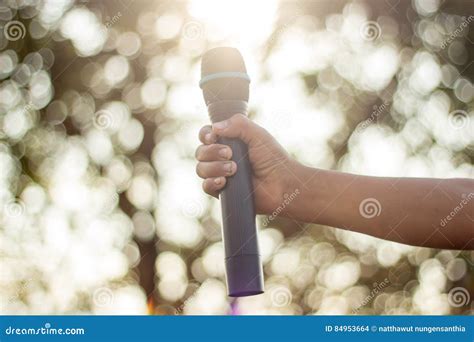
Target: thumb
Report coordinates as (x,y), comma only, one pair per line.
(238,126)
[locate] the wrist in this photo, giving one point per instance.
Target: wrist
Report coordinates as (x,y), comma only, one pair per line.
(304,192)
(293,187)
(292,181)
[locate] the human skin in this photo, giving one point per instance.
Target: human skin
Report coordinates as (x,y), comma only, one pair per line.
(426,212)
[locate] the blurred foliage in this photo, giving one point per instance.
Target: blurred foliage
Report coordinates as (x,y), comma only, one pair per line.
(99,114)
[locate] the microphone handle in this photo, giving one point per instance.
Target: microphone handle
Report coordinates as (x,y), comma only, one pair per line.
(244,272)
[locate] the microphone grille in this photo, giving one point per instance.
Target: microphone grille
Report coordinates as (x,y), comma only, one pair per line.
(222,59)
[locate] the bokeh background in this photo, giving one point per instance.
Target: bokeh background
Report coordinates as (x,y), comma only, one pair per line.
(101,210)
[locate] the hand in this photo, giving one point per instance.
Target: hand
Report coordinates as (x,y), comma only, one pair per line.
(414,212)
(271,164)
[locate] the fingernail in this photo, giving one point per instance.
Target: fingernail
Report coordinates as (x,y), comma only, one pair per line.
(218,181)
(228,167)
(207,137)
(224,152)
(221,124)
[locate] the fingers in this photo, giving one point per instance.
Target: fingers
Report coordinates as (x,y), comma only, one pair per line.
(214,169)
(214,162)
(213,186)
(238,126)
(213,152)
(207,136)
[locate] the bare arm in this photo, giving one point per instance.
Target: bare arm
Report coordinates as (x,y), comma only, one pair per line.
(415,211)
(424,212)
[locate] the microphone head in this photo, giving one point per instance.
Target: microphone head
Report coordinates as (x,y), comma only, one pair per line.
(224,75)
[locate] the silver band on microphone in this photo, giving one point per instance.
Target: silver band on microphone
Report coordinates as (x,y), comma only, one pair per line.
(225,74)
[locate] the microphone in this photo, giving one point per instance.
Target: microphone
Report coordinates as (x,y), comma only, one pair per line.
(225,86)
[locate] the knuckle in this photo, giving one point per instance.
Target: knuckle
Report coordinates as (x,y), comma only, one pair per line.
(199,170)
(241,122)
(203,131)
(198,152)
(216,150)
(205,186)
(240,119)
(222,184)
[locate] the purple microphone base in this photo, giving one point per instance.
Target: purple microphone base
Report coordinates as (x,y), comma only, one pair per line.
(244,275)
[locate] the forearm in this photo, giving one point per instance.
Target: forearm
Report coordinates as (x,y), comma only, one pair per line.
(414,211)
